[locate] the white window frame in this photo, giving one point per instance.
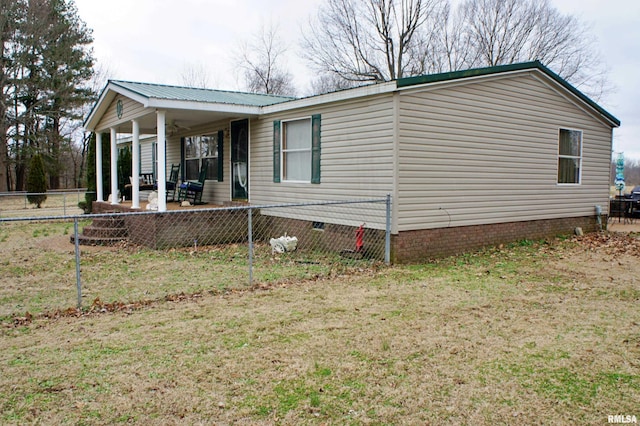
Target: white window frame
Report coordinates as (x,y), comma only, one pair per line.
(283,151)
(570,157)
(212,173)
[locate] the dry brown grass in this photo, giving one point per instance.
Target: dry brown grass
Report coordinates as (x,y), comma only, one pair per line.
(531,334)
(56,204)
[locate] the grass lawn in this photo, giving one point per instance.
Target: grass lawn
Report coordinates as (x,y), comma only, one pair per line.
(534,333)
(56,204)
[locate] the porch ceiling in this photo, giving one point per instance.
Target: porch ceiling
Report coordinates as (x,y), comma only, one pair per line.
(177,121)
(184,107)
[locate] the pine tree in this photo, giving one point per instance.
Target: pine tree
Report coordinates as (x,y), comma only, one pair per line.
(90,195)
(124,167)
(36,181)
(47,63)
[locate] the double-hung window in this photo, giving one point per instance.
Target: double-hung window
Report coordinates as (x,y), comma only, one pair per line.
(569,156)
(202,151)
(296,150)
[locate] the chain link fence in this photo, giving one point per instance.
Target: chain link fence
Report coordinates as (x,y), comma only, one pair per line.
(56,203)
(122,259)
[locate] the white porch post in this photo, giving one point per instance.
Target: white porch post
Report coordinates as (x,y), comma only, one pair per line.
(99,193)
(162,162)
(114,167)
(135,166)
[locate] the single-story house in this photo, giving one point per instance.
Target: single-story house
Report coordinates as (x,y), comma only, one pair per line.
(470,158)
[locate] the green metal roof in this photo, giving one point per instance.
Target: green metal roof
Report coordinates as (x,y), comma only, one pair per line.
(476,72)
(160,91)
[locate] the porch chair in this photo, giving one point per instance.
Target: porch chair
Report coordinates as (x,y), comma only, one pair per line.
(192,191)
(172,182)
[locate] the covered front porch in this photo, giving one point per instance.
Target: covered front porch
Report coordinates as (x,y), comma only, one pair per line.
(206,133)
(127,206)
(175,227)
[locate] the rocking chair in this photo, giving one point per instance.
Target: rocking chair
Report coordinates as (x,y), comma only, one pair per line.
(172,182)
(192,191)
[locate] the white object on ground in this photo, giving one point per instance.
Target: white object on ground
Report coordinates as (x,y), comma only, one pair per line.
(153,201)
(283,244)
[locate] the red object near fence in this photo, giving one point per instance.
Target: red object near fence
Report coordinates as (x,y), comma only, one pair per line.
(360,238)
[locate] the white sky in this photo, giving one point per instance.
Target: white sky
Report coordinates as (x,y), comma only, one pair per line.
(156,40)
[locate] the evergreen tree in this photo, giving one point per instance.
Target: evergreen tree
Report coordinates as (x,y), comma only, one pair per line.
(124,167)
(46,64)
(9,20)
(91,194)
(36,181)
(67,67)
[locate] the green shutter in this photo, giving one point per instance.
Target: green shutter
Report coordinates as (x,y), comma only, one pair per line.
(220,156)
(182,160)
(276,151)
(315,148)
(154,159)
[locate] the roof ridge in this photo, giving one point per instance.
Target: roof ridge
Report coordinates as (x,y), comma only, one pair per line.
(174,86)
(499,69)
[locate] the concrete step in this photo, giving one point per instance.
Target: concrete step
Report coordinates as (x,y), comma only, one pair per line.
(97,241)
(108,222)
(103,231)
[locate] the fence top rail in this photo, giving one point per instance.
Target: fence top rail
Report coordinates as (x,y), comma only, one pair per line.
(178,212)
(49,191)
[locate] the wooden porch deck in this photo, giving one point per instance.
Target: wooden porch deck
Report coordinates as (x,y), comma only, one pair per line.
(125,206)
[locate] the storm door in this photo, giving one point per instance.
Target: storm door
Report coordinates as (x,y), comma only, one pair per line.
(240,160)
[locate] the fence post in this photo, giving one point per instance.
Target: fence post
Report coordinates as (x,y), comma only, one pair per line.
(250,226)
(77,244)
(387,236)
(64,203)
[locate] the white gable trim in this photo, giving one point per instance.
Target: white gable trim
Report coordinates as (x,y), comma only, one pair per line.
(342,95)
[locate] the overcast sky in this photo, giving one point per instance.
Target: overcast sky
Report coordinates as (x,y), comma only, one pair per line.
(156,40)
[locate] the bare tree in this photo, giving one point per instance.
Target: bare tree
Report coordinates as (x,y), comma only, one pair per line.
(9,18)
(330,82)
(379,40)
(261,62)
(371,40)
(449,47)
(196,75)
(510,31)
(77,154)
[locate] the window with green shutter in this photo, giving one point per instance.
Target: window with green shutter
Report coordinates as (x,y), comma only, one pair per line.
(276,151)
(315,149)
(296,150)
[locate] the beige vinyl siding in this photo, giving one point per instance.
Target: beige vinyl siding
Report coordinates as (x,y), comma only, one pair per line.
(486,152)
(146,155)
(356,159)
(173,154)
(131,109)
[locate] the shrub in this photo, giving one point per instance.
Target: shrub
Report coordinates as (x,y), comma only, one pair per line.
(36,181)
(90,196)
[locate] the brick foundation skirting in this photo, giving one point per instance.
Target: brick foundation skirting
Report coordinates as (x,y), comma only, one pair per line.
(184,229)
(161,231)
(426,244)
(211,227)
(332,237)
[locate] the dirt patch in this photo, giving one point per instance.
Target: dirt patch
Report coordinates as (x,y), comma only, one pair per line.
(63,244)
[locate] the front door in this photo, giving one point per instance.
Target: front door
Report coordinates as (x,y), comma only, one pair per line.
(240,160)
